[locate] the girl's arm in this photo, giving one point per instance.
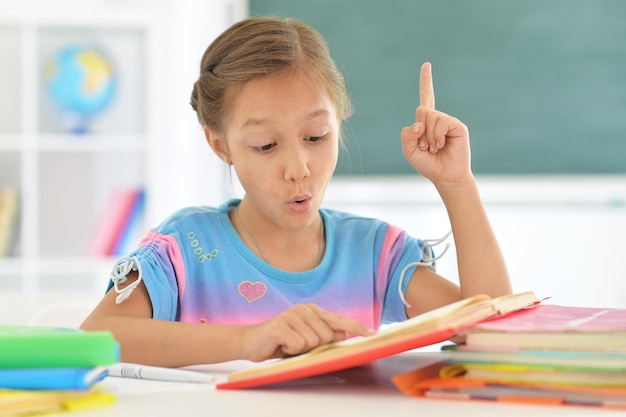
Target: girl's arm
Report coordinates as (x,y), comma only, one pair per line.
(437,146)
(481,265)
(173,344)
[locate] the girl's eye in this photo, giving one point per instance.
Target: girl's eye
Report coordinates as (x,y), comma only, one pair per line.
(316,138)
(265,148)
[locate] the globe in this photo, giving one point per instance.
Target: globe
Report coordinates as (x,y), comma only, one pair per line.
(81,83)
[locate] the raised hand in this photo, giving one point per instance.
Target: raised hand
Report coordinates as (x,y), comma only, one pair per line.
(437,145)
(298,330)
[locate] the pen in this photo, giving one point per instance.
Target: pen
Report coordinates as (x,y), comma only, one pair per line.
(131,370)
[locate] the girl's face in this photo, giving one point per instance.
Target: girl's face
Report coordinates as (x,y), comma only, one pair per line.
(282,138)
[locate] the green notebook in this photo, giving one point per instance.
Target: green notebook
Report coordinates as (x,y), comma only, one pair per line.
(47,347)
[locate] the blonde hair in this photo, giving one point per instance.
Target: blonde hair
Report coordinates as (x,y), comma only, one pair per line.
(260,47)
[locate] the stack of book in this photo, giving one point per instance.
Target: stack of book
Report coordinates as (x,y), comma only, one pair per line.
(45,369)
(119,227)
(546,354)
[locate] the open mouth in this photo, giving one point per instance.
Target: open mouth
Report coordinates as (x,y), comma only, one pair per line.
(300,205)
(303,198)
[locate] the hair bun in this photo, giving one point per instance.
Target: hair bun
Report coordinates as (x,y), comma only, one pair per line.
(194,97)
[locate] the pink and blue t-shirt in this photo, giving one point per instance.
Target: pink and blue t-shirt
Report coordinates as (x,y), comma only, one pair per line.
(197,269)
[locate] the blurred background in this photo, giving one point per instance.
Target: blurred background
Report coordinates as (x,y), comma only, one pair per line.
(98,141)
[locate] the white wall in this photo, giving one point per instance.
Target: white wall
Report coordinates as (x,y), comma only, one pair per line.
(187,171)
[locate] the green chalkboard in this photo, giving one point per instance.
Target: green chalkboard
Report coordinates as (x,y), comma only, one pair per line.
(541,84)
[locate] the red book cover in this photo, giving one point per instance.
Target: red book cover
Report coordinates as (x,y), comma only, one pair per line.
(331,363)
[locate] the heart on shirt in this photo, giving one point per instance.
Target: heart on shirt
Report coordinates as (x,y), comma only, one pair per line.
(252,291)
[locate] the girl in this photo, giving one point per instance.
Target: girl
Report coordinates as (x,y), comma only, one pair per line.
(275,275)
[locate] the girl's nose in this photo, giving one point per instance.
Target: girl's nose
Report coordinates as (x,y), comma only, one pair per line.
(296,166)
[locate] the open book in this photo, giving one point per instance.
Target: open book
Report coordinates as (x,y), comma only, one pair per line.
(432,327)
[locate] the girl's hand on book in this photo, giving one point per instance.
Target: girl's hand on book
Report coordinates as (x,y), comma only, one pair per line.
(298,330)
(437,145)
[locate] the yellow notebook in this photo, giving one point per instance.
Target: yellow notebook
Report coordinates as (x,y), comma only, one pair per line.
(22,403)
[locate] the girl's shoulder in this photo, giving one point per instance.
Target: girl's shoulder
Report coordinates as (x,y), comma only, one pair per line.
(348,227)
(347,217)
(189,216)
(342,220)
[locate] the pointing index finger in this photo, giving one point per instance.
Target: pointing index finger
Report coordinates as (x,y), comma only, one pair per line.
(427,92)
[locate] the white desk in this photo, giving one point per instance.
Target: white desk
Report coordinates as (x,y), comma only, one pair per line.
(363,391)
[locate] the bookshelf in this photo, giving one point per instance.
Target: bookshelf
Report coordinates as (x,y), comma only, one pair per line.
(65,179)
